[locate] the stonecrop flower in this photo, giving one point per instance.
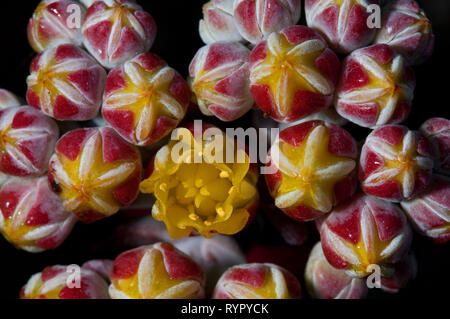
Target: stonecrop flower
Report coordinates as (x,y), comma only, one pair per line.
(257,19)
(406,28)
(218,22)
(55,282)
(95,173)
(257,281)
(32,217)
(145,99)
(293,74)
(159,271)
(344,23)
(376,87)
(51,24)
(364,232)
(66,83)
(315,169)
(323,281)
(197,190)
(396,163)
(27,140)
(115,31)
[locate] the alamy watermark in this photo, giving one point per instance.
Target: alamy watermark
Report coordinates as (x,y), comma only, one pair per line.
(235,146)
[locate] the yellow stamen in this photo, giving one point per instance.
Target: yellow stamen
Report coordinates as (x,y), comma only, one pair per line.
(224,174)
(163,187)
(220,211)
(204,191)
(193,217)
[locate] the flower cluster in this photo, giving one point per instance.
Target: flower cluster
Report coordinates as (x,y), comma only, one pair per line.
(203,186)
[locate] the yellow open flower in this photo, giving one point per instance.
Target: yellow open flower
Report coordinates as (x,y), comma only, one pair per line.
(198,189)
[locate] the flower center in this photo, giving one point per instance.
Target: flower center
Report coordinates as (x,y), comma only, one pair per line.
(202,189)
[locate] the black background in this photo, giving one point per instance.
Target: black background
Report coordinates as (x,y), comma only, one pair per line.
(177,42)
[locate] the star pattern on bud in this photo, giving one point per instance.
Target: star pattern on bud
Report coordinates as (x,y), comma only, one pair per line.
(129,32)
(88,182)
(288,68)
(309,171)
(386,86)
(147,94)
(401,163)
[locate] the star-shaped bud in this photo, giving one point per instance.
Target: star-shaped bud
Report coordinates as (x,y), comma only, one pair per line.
(406,28)
(198,188)
(8,99)
(323,281)
(219,77)
(145,99)
(257,281)
(376,87)
(95,173)
(27,140)
(344,23)
(59,282)
(395,163)
(51,24)
(437,130)
(32,217)
(293,74)
(429,213)
(115,31)
(218,23)
(159,271)
(314,169)
(364,232)
(66,83)
(257,19)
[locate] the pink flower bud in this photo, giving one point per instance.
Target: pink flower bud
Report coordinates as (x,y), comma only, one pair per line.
(363,232)
(323,281)
(145,99)
(51,24)
(293,74)
(376,87)
(256,19)
(437,130)
(115,31)
(8,99)
(27,141)
(218,22)
(66,83)
(220,80)
(257,281)
(430,212)
(345,24)
(395,163)
(313,169)
(406,28)
(32,217)
(63,282)
(156,272)
(95,173)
